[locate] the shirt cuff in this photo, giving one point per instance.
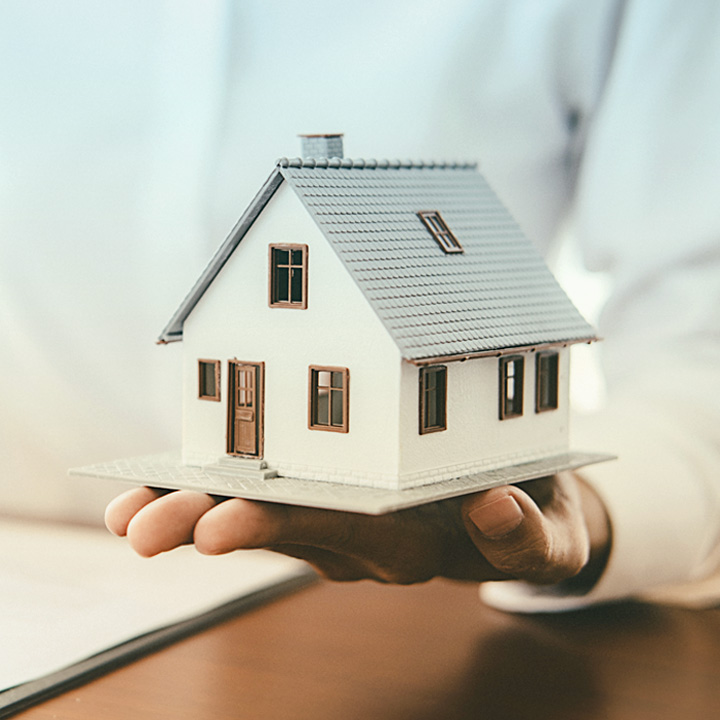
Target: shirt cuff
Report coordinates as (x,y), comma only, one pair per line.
(662,498)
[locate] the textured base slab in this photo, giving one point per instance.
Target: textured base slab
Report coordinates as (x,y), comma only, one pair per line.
(167,471)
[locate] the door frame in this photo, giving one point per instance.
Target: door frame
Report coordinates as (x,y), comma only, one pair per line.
(259,408)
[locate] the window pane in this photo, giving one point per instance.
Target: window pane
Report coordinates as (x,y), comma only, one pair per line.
(431,410)
(337,379)
(282,284)
(509,407)
(511,389)
(296,289)
(435,223)
(247,382)
(297,257)
(430,381)
(323,378)
(322,407)
(543,385)
(281,257)
(207,379)
(337,407)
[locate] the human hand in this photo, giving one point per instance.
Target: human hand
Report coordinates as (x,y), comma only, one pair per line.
(542,531)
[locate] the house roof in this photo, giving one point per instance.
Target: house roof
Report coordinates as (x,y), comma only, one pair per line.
(495,296)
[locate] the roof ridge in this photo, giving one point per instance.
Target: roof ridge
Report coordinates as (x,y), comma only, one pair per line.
(372,164)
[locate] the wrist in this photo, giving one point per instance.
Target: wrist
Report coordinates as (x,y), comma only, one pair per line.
(599,530)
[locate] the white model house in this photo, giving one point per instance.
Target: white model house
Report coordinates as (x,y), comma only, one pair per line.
(375,324)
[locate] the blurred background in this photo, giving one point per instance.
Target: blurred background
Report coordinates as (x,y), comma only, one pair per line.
(132,136)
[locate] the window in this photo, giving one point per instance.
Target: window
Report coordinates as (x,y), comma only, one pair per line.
(209,380)
(328,402)
(288,276)
(511,386)
(546,381)
(440,231)
(433,394)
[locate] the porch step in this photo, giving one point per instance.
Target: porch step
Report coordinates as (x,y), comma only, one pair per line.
(245,467)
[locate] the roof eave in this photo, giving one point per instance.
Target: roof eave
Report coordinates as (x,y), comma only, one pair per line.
(173,331)
(498,352)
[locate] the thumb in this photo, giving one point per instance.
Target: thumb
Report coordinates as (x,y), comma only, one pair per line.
(540,543)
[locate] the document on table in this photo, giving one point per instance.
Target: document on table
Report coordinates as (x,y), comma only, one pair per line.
(68,593)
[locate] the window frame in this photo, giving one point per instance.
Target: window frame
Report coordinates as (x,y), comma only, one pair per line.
(426,373)
(547,375)
(442,234)
(505,411)
(273,302)
(216,364)
(313,396)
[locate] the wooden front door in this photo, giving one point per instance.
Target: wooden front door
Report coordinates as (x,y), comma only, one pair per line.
(245,409)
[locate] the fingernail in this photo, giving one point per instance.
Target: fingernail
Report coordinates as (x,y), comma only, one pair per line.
(498,518)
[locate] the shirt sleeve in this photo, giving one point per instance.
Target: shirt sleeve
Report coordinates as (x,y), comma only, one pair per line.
(645,213)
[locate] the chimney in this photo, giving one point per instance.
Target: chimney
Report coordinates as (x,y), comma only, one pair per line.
(322,146)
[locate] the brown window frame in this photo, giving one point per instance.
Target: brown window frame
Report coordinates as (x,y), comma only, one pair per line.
(547,381)
(273,284)
(314,393)
(511,407)
(427,375)
(440,231)
(215,397)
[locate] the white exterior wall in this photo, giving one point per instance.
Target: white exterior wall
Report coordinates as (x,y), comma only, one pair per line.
(233,320)
(475,438)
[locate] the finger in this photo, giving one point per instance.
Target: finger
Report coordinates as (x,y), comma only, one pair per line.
(330,565)
(245,524)
(403,547)
(521,540)
(121,510)
(167,522)
(316,536)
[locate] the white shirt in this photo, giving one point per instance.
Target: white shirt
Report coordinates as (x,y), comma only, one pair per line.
(134,134)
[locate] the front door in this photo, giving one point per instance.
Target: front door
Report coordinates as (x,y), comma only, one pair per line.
(245,409)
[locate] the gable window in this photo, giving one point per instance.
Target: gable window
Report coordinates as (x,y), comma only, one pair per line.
(288,276)
(546,381)
(209,380)
(438,228)
(329,398)
(511,386)
(433,394)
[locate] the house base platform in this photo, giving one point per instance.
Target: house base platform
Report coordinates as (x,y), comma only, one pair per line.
(167,471)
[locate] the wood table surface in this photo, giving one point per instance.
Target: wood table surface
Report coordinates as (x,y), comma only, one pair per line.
(369,651)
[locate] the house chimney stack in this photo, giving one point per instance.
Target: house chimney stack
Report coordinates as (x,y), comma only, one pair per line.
(322,146)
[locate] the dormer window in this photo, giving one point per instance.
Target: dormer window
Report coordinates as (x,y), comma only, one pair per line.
(438,228)
(288,276)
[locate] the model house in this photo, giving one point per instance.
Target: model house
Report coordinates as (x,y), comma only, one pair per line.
(375,324)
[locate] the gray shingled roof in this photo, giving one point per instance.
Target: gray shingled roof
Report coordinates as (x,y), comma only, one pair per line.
(496,295)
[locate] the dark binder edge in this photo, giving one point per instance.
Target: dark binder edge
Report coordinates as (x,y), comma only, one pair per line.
(21,697)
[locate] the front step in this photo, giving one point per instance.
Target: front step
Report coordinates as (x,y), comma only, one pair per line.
(244,467)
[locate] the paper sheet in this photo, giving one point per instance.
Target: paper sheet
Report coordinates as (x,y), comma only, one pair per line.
(67,593)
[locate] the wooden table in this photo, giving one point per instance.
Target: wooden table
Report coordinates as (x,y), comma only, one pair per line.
(372,652)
